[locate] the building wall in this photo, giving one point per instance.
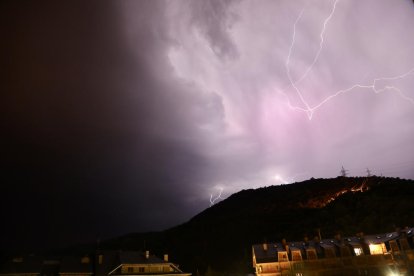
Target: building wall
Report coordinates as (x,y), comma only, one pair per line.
(401,262)
(150,268)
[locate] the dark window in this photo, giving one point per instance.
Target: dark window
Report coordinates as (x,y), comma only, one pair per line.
(130,269)
(404,244)
(311,254)
(394,246)
(345,251)
(329,252)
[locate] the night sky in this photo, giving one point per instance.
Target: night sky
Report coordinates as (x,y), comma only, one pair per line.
(127,116)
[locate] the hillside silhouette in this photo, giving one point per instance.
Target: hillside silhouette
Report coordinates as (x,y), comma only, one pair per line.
(220,237)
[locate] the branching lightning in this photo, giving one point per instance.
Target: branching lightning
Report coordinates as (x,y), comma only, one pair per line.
(214,200)
(325,23)
(310,110)
(292,83)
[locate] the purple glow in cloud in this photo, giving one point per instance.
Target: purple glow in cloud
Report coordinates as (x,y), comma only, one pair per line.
(349,68)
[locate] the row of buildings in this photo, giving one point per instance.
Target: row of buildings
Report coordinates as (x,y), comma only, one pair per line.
(103,263)
(386,254)
(383,254)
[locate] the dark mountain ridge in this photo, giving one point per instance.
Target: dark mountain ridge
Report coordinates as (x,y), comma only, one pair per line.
(220,237)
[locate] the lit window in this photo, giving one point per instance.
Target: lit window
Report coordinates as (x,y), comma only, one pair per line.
(296,256)
(282,257)
(376,249)
(358,251)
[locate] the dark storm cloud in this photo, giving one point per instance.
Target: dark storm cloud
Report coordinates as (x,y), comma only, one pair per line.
(91,137)
(65,127)
(214,19)
(125,116)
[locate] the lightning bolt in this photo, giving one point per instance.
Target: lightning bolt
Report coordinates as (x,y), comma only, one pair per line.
(292,83)
(213,200)
(310,110)
(373,86)
(325,23)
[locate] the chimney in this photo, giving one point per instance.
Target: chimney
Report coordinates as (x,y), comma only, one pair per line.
(165,257)
(338,237)
(364,244)
(265,246)
(398,230)
(284,245)
(318,230)
(147,255)
(306,240)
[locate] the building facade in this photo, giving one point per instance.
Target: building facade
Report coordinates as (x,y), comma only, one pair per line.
(385,254)
(124,263)
(102,263)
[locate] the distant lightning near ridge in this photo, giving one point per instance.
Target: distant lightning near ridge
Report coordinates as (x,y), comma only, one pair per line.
(282,180)
(213,200)
(289,179)
(310,110)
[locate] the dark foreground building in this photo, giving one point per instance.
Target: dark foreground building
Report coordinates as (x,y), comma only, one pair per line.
(103,263)
(385,254)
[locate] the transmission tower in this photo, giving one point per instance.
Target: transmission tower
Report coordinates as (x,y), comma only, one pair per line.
(344,173)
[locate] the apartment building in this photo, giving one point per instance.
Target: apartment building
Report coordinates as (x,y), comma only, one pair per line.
(383,254)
